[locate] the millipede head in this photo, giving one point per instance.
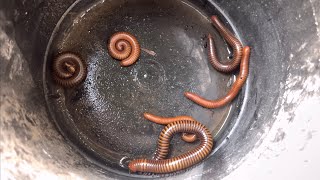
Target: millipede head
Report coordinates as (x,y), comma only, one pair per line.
(132,166)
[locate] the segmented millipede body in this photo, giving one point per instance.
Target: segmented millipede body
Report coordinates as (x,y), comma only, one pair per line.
(124,46)
(232,40)
(167,120)
(237,85)
(179,162)
(69,69)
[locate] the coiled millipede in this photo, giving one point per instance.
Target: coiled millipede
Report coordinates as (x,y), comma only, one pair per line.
(167,120)
(233,92)
(182,161)
(232,40)
(69,69)
(124,46)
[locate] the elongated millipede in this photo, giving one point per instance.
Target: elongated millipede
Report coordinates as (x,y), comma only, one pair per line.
(179,162)
(167,120)
(125,47)
(69,69)
(237,85)
(232,40)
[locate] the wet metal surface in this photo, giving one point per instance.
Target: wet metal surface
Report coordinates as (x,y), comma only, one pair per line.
(105,112)
(273,133)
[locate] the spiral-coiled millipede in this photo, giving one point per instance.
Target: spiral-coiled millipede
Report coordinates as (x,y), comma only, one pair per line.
(124,46)
(69,69)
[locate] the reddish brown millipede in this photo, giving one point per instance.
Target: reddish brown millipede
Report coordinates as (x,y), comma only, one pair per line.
(167,120)
(182,161)
(232,40)
(125,47)
(244,69)
(69,69)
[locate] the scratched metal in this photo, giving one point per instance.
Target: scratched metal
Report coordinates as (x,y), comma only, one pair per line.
(273,132)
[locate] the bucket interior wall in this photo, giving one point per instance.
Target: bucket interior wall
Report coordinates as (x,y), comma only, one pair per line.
(272,119)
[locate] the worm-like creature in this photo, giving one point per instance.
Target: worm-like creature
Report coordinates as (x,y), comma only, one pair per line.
(69,69)
(182,161)
(232,40)
(167,120)
(124,46)
(241,79)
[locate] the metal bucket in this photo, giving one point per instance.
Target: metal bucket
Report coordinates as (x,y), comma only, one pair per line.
(271,130)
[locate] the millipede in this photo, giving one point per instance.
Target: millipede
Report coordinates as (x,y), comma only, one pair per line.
(233,92)
(124,46)
(167,120)
(69,69)
(232,40)
(180,162)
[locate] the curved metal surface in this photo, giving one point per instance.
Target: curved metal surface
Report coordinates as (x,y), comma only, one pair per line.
(277,132)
